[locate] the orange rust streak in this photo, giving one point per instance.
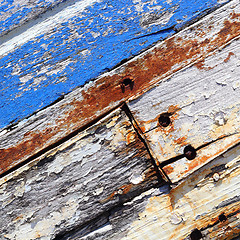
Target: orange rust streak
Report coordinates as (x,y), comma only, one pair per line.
(10,157)
(181,141)
(164,60)
(228,57)
(168,169)
(201,66)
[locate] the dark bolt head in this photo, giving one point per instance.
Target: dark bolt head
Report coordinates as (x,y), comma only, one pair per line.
(196,234)
(127,82)
(164,120)
(222,217)
(190,152)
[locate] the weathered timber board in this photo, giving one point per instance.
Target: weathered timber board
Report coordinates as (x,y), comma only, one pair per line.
(196,203)
(76,42)
(203,104)
(97,97)
(166,214)
(99,168)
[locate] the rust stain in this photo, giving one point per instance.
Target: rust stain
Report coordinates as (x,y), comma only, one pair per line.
(228,57)
(181,141)
(201,66)
(105,94)
(219,149)
(168,169)
(173,109)
(204,155)
(12,156)
(18,218)
(206,220)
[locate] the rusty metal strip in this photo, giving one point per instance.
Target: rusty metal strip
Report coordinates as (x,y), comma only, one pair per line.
(97,97)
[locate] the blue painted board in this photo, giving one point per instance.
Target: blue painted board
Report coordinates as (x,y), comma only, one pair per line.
(83,46)
(14,13)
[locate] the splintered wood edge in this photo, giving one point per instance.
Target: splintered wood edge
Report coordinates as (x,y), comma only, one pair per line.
(96,98)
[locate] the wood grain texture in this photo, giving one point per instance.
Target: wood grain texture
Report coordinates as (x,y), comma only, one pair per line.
(76,42)
(166,214)
(203,105)
(196,204)
(98,169)
(96,98)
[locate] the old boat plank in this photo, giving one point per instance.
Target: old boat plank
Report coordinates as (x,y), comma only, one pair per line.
(73,44)
(208,201)
(86,176)
(196,204)
(195,106)
(97,97)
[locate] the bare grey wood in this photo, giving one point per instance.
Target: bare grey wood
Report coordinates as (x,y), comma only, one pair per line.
(86,176)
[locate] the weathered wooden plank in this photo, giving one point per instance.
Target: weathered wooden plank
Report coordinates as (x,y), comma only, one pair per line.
(181,169)
(15,13)
(196,204)
(194,107)
(166,214)
(70,46)
(99,168)
(97,97)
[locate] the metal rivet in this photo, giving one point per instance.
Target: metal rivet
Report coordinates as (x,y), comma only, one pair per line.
(164,119)
(127,82)
(196,234)
(222,217)
(190,152)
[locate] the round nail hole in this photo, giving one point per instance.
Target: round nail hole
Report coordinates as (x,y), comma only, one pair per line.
(190,152)
(222,217)
(196,234)
(164,120)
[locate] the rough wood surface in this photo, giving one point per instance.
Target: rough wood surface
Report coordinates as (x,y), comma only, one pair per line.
(96,170)
(161,213)
(97,97)
(75,42)
(197,203)
(203,104)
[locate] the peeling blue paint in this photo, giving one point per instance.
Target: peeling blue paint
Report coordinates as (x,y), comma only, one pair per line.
(43,69)
(17,13)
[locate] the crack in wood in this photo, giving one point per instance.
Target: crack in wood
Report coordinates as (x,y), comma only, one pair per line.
(160,173)
(178,157)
